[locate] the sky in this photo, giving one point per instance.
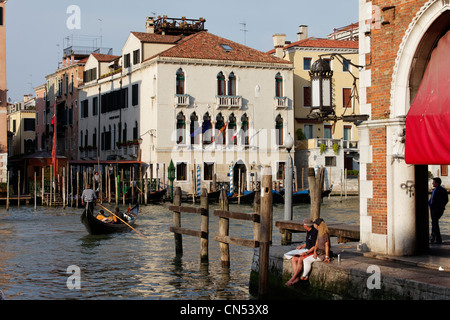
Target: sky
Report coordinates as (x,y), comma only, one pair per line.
(36,30)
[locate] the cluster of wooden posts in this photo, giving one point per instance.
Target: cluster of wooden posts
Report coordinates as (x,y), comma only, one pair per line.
(66,189)
(262,225)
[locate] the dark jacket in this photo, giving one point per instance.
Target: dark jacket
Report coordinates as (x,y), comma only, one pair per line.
(438,200)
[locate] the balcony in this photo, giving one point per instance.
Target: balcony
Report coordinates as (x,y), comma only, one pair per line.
(182,100)
(228,102)
(332,144)
(280,102)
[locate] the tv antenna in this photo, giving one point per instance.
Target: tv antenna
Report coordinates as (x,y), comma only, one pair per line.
(245,31)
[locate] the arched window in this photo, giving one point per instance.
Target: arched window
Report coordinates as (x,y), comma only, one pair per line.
(278,85)
(206,129)
(232,84)
(279,130)
(232,132)
(244,129)
(220,130)
(181,128)
(194,129)
(180,83)
(220,84)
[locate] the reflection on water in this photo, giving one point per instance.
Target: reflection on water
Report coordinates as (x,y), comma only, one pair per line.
(39,246)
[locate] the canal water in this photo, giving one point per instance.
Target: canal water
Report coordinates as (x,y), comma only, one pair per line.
(38,247)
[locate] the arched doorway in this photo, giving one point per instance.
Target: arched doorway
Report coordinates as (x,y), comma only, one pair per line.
(239,169)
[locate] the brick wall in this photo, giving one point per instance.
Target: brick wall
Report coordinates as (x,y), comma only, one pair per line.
(390,20)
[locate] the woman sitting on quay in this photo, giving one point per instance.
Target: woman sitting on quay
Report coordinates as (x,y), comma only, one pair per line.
(307,248)
(321,249)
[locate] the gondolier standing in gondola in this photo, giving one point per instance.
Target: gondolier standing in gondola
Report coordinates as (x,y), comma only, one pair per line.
(88,198)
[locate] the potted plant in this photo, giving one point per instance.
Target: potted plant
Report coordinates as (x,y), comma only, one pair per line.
(81,148)
(323,148)
(135,142)
(119,144)
(336,148)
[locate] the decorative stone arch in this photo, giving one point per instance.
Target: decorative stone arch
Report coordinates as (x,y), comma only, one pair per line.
(408,210)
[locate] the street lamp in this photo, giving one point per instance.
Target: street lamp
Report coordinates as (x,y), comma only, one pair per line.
(321,88)
(171,175)
(288,176)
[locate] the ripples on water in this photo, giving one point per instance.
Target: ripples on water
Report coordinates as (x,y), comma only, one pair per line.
(39,246)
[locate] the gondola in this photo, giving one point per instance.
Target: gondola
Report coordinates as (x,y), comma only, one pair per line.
(95,226)
(277,197)
(303,196)
(156,196)
(246,197)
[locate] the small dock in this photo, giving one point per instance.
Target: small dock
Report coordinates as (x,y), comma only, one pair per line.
(344,232)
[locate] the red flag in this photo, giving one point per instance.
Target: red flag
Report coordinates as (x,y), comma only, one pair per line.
(54,143)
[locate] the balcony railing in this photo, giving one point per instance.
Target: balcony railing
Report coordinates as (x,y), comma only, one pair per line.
(280,102)
(182,100)
(317,143)
(228,102)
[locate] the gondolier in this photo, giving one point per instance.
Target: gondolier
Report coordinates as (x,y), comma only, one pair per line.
(88,197)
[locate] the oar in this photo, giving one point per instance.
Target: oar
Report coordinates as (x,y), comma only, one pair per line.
(121,220)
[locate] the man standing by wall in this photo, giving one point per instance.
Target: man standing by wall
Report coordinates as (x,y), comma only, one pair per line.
(437,203)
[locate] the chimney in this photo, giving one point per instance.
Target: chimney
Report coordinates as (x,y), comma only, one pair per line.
(150,25)
(279,40)
(302,32)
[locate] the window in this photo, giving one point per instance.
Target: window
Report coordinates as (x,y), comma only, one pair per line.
(181,128)
(95,106)
(194,129)
(220,130)
(14,126)
(1,16)
(206,129)
(346,65)
(347,133)
(70,116)
(135,95)
(181,171)
(244,128)
(29,124)
(126,61)
(135,131)
(330,161)
(278,85)
(327,131)
(226,47)
(308,130)
(90,75)
(136,56)
(220,84)
(208,171)
(37,118)
(232,84)
(279,130)
(232,129)
(124,133)
(307,63)
(346,97)
(94,137)
(85,108)
(307,97)
(180,82)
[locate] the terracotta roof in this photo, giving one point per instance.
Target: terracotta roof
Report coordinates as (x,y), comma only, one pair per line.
(156,38)
(104,57)
(204,45)
(322,43)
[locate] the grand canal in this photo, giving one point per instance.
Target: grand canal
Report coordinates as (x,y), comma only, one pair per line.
(38,247)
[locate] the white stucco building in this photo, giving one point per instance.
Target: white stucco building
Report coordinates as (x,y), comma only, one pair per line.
(192,97)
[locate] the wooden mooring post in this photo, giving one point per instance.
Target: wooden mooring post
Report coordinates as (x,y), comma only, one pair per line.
(203,234)
(223,236)
(266,231)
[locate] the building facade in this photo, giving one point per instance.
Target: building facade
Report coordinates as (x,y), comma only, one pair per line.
(211,106)
(21,122)
(396,39)
(333,145)
(3,95)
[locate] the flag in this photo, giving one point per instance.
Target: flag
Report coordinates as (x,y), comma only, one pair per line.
(54,143)
(234,135)
(220,131)
(196,132)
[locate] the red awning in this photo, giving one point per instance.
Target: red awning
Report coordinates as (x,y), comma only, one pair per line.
(427,139)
